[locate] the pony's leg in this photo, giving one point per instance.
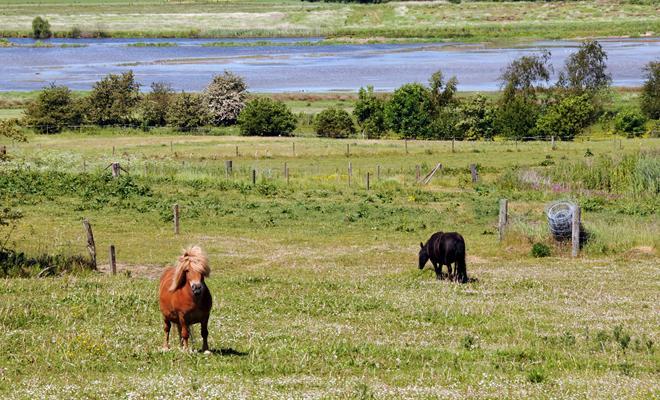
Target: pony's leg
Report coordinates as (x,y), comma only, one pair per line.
(438,271)
(449,273)
(168,325)
(178,329)
(185,334)
(205,335)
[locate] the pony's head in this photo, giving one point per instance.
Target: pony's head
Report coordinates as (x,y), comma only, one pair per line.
(423,255)
(192,267)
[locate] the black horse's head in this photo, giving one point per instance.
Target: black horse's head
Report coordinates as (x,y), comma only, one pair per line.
(423,255)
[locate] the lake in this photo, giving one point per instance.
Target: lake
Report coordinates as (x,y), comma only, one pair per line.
(291,64)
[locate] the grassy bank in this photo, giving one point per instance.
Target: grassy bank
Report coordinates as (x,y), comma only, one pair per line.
(316,286)
(469,21)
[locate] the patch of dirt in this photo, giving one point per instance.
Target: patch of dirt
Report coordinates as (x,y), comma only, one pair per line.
(642,251)
(136,270)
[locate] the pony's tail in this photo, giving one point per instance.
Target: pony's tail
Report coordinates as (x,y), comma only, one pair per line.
(192,258)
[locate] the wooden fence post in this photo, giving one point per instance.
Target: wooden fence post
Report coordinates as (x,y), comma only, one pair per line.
(236,151)
(293,145)
(473,172)
(229,166)
(116,169)
(554,146)
(504,217)
(406,144)
(418,172)
(254,176)
(176,219)
(367,181)
(348,149)
(113,150)
(452,144)
(350,172)
(113,261)
(91,246)
(575,231)
(378,172)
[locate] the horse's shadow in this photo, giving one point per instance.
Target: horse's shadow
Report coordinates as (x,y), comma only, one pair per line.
(228,352)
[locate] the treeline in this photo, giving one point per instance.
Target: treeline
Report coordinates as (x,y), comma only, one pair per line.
(527,107)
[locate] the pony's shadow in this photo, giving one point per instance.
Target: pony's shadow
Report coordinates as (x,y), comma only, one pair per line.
(228,352)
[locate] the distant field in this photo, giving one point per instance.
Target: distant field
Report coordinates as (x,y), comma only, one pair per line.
(468,21)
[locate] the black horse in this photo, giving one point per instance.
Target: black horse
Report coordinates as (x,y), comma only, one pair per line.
(445,249)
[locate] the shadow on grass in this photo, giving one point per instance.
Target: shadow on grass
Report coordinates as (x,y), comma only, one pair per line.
(228,352)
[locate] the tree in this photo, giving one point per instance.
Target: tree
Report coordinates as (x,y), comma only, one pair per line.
(41,28)
(585,70)
(650,98)
(53,110)
(264,116)
(113,100)
(155,105)
(334,123)
(517,117)
(225,96)
(567,118)
(442,94)
(629,121)
(410,111)
(476,118)
(525,76)
(370,113)
(187,112)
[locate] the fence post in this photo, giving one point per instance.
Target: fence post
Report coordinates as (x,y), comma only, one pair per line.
(575,231)
(254,176)
(171,147)
(452,144)
(554,147)
(176,219)
(473,172)
(91,246)
(113,150)
(237,151)
(350,172)
(293,145)
(417,172)
(378,172)
(367,181)
(286,173)
(348,149)
(113,261)
(228,168)
(116,169)
(504,217)
(406,144)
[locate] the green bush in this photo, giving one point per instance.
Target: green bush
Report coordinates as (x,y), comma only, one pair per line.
(53,110)
(630,122)
(444,125)
(334,123)
(650,98)
(370,113)
(264,116)
(187,112)
(410,111)
(567,118)
(517,117)
(113,100)
(156,104)
(540,250)
(41,28)
(476,118)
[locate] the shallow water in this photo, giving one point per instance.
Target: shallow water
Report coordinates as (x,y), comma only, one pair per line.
(287,67)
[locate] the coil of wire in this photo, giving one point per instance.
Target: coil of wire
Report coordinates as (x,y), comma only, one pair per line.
(560,219)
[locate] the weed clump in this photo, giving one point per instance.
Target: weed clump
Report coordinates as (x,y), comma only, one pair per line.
(540,250)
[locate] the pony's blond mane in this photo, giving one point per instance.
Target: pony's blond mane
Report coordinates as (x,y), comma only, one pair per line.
(193,258)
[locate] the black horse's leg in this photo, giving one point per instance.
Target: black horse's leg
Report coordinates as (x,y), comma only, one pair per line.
(438,271)
(449,272)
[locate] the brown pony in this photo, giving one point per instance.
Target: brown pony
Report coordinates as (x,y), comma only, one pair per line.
(184,297)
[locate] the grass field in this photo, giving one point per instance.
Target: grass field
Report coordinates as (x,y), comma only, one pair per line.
(468,21)
(317,291)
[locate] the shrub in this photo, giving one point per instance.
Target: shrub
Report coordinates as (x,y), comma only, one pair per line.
(41,28)
(650,98)
(540,250)
(476,118)
(517,117)
(225,97)
(567,118)
(113,100)
(585,70)
(53,110)
(629,121)
(9,129)
(334,123)
(523,76)
(444,125)
(75,33)
(187,112)
(155,105)
(370,113)
(410,111)
(264,116)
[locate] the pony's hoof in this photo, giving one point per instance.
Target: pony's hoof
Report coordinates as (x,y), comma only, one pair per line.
(207,352)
